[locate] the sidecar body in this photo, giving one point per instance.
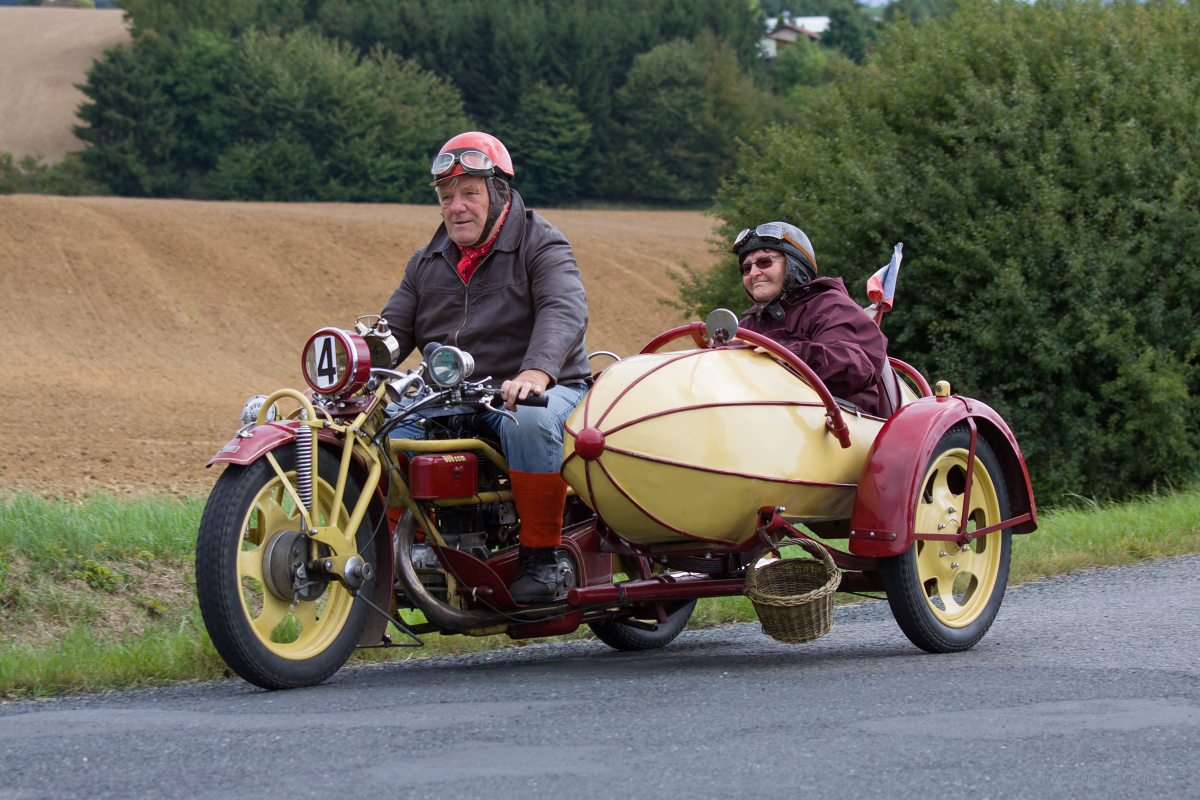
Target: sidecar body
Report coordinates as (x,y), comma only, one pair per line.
(691,444)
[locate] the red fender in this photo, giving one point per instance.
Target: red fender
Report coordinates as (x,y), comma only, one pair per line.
(273,435)
(269,436)
(251,445)
(885,506)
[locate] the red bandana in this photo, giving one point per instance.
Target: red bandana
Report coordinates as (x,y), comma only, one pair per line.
(471,256)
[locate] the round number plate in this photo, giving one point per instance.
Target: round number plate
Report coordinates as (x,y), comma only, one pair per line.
(336,362)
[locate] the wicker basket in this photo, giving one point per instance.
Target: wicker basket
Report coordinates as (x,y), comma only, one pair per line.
(794,596)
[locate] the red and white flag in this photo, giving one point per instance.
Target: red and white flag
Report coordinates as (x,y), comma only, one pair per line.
(881,287)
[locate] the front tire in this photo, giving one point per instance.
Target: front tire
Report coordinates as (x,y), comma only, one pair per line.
(249,519)
(943,597)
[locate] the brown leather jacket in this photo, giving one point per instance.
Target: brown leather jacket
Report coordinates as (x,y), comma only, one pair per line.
(524,307)
(833,335)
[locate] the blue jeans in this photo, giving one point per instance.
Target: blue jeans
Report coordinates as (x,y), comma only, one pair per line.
(536,445)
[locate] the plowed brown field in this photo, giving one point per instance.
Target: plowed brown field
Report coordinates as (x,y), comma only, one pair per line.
(44,52)
(132,331)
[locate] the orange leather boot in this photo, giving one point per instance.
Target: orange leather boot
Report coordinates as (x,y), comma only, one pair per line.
(539,497)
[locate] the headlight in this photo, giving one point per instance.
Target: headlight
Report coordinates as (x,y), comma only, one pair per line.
(449,366)
(336,362)
(250,410)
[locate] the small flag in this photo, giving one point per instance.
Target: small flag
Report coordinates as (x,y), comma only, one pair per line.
(881,287)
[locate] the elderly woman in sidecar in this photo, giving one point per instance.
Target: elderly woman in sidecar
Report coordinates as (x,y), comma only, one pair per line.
(812,317)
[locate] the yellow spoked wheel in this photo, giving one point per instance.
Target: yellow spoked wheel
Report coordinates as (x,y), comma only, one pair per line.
(291,624)
(945,596)
(958,581)
(276,622)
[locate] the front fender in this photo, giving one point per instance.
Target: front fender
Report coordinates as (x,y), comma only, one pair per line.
(251,445)
(885,505)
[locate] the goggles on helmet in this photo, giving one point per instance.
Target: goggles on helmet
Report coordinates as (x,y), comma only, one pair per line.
(474,162)
(768,231)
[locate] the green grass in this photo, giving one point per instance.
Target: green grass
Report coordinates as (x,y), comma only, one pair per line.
(84,661)
(49,532)
(78,583)
(1109,535)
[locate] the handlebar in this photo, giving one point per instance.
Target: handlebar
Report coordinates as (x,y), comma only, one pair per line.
(535,400)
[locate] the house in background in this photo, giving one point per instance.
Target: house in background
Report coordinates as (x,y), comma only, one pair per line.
(787,30)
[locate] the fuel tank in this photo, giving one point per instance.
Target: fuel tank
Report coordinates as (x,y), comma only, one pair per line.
(688,445)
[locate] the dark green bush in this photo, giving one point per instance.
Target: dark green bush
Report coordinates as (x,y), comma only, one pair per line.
(680,115)
(264,117)
(159,116)
(225,16)
(804,64)
(551,144)
(499,53)
(541,74)
(847,32)
(1041,163)
(30,175)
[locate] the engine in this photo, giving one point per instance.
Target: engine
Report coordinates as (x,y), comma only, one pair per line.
(474,528)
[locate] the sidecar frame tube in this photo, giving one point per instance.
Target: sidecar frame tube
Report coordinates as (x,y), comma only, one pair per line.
(655,590)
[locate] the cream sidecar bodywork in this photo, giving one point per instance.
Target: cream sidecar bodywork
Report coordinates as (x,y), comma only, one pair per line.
(686,446)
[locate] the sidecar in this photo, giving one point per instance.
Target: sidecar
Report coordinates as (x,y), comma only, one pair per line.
(686,455)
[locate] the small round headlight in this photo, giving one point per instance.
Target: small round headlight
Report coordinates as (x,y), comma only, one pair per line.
(449,366)
(250,410)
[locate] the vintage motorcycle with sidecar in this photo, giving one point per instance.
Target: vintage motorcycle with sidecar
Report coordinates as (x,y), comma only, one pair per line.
(686,467)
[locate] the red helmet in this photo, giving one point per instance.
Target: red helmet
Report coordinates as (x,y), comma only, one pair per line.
(472,153)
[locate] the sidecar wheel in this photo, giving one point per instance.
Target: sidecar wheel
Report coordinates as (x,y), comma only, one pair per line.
(248,521)
(945,598)
(621,636)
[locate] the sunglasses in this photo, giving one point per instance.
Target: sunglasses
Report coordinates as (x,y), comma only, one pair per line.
(474,162)
(764,263)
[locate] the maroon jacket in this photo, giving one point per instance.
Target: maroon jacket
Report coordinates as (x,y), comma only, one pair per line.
(833,335)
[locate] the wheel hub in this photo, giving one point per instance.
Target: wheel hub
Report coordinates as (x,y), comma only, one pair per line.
(284,573)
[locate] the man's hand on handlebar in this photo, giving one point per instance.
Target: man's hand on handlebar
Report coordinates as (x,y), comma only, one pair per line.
(529,381)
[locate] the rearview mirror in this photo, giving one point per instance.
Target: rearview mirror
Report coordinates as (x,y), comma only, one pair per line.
(720,326)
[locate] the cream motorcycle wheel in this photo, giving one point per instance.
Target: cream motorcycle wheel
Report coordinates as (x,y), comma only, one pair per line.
(945,597)
(247,551)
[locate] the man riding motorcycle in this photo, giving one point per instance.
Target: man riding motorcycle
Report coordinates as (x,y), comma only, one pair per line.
(813,317)
(500,282)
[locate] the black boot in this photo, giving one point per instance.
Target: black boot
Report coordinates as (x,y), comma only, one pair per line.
(537,576)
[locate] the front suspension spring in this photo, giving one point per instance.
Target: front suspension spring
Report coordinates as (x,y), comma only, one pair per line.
(304,477)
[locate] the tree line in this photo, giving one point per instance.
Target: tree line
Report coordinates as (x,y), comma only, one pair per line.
(628,100)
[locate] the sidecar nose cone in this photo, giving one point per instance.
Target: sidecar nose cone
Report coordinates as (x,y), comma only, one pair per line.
(589,444)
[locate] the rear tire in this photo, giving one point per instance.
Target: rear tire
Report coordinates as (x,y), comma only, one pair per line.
(270,641)
(621,636)
(945,598)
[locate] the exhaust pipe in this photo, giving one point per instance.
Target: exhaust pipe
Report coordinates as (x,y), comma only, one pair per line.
(441,614)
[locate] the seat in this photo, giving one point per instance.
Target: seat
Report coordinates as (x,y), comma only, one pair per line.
(889,391)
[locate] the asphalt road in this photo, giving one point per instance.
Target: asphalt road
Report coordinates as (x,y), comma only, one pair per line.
(1087,686)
